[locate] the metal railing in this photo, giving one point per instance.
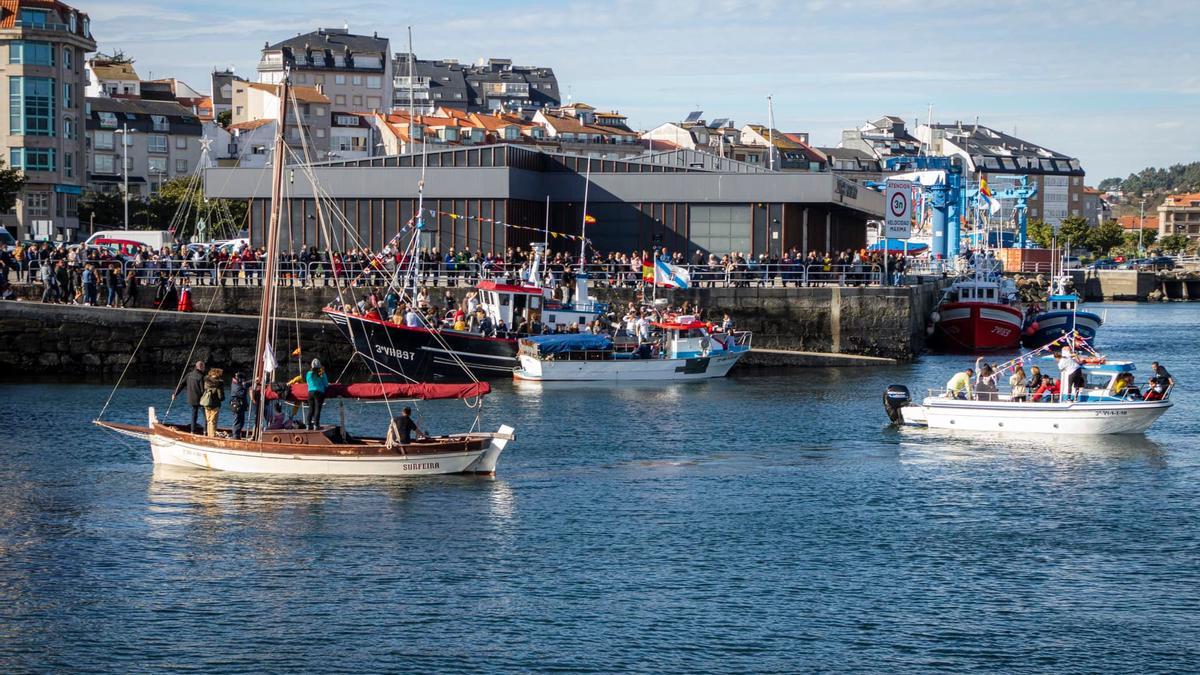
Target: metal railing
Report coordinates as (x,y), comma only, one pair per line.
(250,273)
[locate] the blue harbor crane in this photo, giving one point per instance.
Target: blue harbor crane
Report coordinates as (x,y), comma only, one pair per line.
(1019,194)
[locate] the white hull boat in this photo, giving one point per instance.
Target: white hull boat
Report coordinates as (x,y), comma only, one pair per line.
(1072,417)
(627,370)
(296,452)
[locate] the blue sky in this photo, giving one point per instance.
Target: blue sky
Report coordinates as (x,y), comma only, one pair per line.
(1115,83)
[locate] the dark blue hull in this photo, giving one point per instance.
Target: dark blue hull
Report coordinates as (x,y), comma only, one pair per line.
(1053,325)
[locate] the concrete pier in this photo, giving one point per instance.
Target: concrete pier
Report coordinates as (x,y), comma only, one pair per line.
(822,326)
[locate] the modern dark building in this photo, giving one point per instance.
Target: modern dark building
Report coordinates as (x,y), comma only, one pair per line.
(484,87)
(495,196)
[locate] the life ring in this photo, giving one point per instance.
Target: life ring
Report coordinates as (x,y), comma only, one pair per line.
(299,439)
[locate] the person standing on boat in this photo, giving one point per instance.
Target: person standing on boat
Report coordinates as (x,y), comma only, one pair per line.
(211,399)
(1160,382)
(239,402)
(1068,368)
(1020,391)
(194,384)
(317,382)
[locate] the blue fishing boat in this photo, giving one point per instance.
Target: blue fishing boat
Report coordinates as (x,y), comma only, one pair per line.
(1060,317)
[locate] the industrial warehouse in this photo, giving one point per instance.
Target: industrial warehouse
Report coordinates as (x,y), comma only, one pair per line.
(492,197)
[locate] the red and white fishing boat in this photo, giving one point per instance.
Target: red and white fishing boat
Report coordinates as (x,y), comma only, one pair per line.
(978,314)
(327,449)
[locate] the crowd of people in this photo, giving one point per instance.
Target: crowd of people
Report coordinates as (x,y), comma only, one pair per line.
(103,276)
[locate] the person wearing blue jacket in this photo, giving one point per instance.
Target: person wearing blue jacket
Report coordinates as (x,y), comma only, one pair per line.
(317,382)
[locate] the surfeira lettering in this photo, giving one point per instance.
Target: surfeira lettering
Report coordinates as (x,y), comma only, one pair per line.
(422,466)
(394,353)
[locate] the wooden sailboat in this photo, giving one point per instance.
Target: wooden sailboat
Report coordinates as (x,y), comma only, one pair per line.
(330,449)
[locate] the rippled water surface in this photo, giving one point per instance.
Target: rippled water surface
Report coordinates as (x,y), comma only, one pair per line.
(756,524)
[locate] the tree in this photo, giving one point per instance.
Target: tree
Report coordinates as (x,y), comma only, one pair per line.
(225,118)
(1105,236)
(180,203)
(1074,231)
(1175,243)
(1148,239)
(105,209)
(1109,184)
(11,182)
(1040,233)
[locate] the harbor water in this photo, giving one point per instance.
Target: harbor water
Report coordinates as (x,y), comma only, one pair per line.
(765,523)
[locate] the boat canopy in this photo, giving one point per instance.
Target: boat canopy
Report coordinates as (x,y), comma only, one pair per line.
(898,246)
(572,342)
(374,391)
(679,325)
(489,285)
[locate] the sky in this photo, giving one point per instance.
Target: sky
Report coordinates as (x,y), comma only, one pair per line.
(1115,83)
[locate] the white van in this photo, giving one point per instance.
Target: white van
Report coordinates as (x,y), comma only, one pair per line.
(155,239)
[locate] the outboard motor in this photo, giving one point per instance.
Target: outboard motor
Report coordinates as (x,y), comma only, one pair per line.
(895,398)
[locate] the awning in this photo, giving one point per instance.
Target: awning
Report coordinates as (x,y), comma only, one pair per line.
(374,391)
(571,342)
(897,246)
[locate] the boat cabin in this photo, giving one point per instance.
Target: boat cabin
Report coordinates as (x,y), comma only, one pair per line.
(1101,378)
(1062,303)
(514,304)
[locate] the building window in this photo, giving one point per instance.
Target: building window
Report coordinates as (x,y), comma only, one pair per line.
(37,204)
(301,78)
(68,165)
(340,99)
(103,140)
(339,79)
(31,53)
(69,57)
(31,106)
(157,166)
(181,166)
(156,143)
(720,229)
(357,80)
(320,133)
(374,82)
(181,143)
(105,164)
(68,128)
(318,111)
(70,205)
(357,101)
(34,18)
(159,123)
(108,120)
(68,95)
(32,159)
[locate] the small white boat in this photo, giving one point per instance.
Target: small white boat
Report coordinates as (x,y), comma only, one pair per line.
(683,351)
(1093,410)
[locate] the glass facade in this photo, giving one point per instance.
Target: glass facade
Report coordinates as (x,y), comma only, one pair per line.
(720,229)
(31,106)
(31,53)
(32,159)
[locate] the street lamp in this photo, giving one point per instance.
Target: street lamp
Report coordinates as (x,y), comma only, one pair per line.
(1142,228)
(124,131)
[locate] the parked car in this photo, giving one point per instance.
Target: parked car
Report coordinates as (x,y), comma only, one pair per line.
(1131,264)
(1071,263)
(1161,262)
(1103,264)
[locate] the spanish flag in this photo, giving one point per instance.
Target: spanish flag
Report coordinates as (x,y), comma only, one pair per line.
(589,219)
(647,271)
(985,195)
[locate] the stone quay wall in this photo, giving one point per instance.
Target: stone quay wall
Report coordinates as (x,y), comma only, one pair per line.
(65,339)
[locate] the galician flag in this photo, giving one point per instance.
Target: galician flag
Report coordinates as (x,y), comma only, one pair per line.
(671,276)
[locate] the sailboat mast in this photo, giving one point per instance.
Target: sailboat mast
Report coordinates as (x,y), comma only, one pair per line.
(272,240)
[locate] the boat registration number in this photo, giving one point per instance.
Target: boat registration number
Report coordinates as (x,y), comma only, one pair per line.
(400,354)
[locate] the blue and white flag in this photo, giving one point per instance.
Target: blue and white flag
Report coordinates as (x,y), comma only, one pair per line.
(671,276)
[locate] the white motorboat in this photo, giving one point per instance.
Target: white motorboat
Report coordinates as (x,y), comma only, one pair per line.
(684,350)
(1095,409)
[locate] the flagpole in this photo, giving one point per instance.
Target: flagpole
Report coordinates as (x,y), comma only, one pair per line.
(583,229)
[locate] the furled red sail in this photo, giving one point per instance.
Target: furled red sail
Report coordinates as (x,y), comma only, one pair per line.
(373,391)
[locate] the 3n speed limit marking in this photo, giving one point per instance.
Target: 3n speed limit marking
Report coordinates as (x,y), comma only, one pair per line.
(897,222)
